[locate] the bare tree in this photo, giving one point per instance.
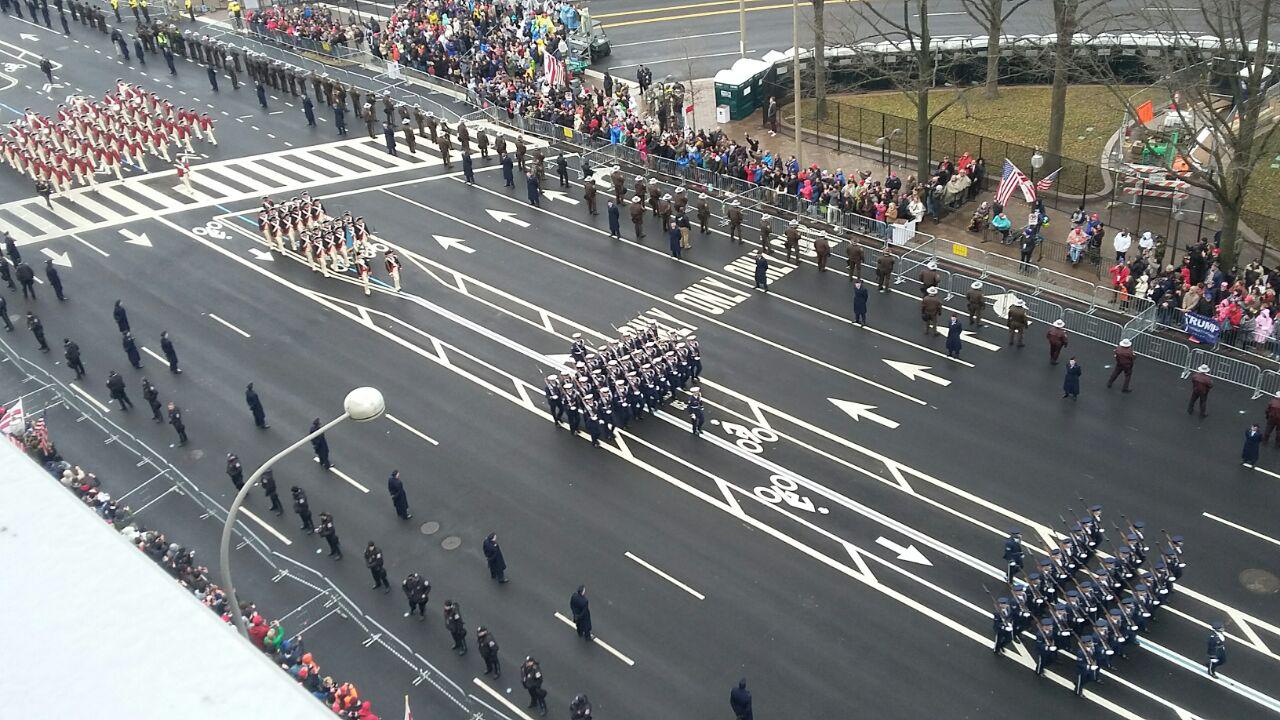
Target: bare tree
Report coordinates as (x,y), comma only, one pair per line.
(915,79)
(992,15)
(1220,101)
(820,59)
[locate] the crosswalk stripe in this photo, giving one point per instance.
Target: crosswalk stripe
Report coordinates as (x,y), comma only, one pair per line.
(321,163)
(254,185)
(286,165)
(33,220)
(219,189)
(97,208)
(119,198)
(380,153)
(268,173)
(62,208)
(362,164)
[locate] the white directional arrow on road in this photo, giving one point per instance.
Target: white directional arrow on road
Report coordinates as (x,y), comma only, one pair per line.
(917,372)
(1001,303)
(858,411)
(262,255)
(52,86)
(136,238)
(908,553)
(562,197)
(28,36)
(504,216)
(972,339)
(60,259)
(449,242)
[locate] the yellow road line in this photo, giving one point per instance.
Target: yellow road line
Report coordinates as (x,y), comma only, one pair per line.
(689,16)
(646,11)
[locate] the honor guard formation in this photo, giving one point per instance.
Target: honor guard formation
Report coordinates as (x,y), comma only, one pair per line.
(622,380)
(337,244)
(1096,612)
(86,137)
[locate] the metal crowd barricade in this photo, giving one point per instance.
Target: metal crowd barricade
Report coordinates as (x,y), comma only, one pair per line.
(1237,372)
(1269,384)
(1041,309)
(1161,349)
(1066,286)
(1092,326)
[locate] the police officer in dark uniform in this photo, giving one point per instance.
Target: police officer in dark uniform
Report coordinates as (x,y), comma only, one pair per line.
(170,353)
(320,445)
(71,351)
(4,313)
(588,191)
(131,350)
(615,225)
(508,169)
(555,399)
(494,559)
(468,169)
(373,561)
(340,119)
(531,679)
(175,419)
(1217,649)
(489,651)
(6,275)
(55,281)
(152,396)
(330,535)
(531,186)
(418,591)
(235,471)
(562,172)
(740,701)
(389,136)
(580,608)
(580,707)
(1013,554)
(456,627)
(395,487)
(268,483)
(26,278)
(695,411)
(115,385)
(309,110)
(255,406)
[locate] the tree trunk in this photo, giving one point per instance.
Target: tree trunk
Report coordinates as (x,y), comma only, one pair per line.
(993,54)
(924,65)
(1064,16)
(923,131)
(1229,216)
(819,60)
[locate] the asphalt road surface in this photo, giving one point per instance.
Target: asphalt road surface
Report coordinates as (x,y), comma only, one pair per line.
(828,537)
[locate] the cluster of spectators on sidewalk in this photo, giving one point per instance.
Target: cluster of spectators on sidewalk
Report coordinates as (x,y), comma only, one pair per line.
(307,22)
(180,562)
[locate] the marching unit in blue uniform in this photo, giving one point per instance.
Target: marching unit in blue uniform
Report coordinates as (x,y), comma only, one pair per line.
(1217,649)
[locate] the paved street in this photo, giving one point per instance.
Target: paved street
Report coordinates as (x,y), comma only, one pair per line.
(828,537)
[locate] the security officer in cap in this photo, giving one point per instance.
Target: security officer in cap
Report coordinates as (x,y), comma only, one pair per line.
(930,309)
(704,214)
(615,227)
(1124,364)
(409,139)
(854,257)
(1017,321)
(1013,554)
(1002,624)
(1217,649)
(884,270)
(637,216)
(791,242)
(735,221)
(588,191)
(821,248)
(696,415)
(766,229)
(929,277)
(373,561)
(974,302)
(1201,384)
(468,169)
(508,170)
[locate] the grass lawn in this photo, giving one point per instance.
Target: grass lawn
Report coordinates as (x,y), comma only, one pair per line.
(1009,126)
(1264,194)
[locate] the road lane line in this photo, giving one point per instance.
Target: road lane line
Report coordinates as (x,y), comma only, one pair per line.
(1266,472)
(660,299)
(498,696)
(152,353)
(662,40)
(346,477)
(155,500)
(78,239)
(249,513)
(229,325)
(1242,528)
(85,394)
(410,428)
(728,506)
(666,577)
(598,641)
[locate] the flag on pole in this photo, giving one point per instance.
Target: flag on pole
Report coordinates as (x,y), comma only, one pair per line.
(1011,178)
(408,714)
(1046,182)
(12,421)
(42,435)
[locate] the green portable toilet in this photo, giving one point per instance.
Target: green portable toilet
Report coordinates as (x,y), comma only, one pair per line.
(738,88)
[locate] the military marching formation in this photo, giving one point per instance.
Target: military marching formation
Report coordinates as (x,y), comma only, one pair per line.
(623,380)
(1084,601)
(85,137)
(328,244)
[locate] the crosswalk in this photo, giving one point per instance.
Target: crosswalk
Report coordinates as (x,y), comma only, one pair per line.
(285,172)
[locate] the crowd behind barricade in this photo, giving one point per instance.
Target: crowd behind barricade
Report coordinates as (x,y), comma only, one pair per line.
(308,22)
(180,562)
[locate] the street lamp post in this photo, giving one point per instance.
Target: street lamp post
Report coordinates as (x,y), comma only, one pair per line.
(795,73)
(362,405)
(1037,162)
(886,148)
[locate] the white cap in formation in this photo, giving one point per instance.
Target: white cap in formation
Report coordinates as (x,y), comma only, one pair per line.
(1059,323)
(1126,342)
(1203,369)
(933,291)
(977,285)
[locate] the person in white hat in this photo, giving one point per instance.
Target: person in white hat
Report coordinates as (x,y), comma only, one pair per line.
(1057,337)
(929,277)
(1201,384)
(766,229)
(930,309)
(974,301)
(735,220)
(1124,364)
(704,214)
(1017,321)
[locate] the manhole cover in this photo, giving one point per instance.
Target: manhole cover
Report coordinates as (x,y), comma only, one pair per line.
(197,454)
(430,528)
(1260,582)
(453,542)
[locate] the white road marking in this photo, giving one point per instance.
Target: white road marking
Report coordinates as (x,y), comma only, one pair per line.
(97,208)
(203,180)
(669,39)
(153,354)
(449,242)
(85,394)
(913,372)
(498,696)
(728,505)
(154,500)
(239,177)
(227,324)
(249,514)
(63,209)
(1266,472)
(601,643)
(1242,528)
(858,411)
(127,202)
(348,478)
(85,243)
(682,58)
(666,577)
(410,428)
(908,553)
(33,220)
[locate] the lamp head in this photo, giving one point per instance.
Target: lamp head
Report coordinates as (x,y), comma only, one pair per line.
(364,404)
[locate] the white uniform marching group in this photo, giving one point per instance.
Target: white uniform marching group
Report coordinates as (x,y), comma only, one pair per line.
(328,244)
(84,137)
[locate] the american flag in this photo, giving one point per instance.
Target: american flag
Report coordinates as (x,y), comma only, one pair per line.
(1011,178)
(13,421)
(42,435)
(408,714)
(1046,182)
